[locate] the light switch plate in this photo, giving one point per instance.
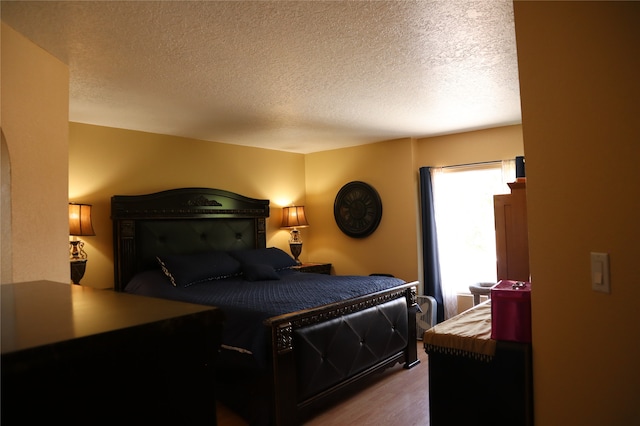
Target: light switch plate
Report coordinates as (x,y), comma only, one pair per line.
(600,280)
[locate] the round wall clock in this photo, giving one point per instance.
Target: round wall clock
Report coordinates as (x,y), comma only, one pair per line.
(357,209)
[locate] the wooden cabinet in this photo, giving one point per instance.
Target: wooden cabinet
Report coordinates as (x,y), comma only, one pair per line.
(512,242)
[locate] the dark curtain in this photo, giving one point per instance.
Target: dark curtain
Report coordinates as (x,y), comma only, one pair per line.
(431,262)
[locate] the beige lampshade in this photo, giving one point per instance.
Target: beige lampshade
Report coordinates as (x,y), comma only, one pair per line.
(80,219)
(294,217)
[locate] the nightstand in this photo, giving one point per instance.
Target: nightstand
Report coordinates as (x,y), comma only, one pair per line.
(316,268)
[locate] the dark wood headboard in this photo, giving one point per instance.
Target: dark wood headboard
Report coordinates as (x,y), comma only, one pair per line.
(181,221)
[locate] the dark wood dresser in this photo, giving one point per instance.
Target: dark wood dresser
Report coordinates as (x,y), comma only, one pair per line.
(78,355)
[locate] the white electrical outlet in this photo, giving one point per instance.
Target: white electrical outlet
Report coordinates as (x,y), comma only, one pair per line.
(600,272)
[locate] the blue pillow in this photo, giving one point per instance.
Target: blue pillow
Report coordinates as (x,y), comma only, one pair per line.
(259,272)
(184,270)
(271,256)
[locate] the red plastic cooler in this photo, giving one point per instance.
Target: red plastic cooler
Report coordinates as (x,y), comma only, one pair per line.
(511,311)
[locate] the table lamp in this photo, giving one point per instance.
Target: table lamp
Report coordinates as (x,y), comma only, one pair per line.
(293,217)
(79,225)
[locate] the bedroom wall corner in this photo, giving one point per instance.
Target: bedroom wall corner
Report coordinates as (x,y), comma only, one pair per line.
(387,166)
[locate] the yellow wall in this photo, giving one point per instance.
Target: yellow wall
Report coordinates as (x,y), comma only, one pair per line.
(579,65)
(35,105)
(129,162)
(387,166)
(105,161)
(392,168)
(500,143)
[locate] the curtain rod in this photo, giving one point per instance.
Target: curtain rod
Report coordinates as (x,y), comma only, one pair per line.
(481,163)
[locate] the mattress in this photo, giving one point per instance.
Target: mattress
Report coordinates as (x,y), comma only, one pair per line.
(247,304)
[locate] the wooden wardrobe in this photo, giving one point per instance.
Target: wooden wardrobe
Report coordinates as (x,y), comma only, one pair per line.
(512,243)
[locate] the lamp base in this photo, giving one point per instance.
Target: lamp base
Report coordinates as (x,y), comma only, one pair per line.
(78,267)
(76,250)
(296,249)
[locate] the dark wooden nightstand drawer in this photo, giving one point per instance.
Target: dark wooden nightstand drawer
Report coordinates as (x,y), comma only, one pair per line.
(316,268)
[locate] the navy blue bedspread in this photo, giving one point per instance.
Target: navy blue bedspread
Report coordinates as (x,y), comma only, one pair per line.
(246,304)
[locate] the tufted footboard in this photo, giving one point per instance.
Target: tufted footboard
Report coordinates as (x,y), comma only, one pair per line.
(320,353)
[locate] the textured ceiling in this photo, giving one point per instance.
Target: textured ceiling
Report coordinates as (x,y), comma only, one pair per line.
(301,76)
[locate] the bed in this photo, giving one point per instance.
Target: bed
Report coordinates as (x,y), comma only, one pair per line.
(293,341)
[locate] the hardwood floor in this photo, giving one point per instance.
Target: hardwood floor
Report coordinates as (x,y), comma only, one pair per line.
(394,397)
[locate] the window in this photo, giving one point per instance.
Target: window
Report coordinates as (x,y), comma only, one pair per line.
(463,203)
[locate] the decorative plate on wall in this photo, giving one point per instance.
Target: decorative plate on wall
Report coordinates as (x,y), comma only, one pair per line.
(357,209)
